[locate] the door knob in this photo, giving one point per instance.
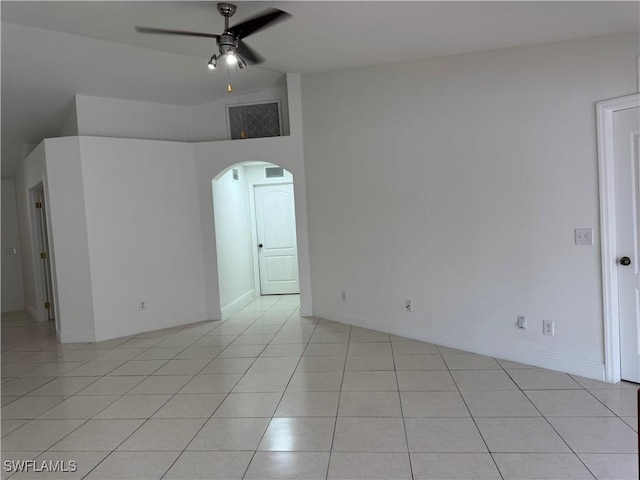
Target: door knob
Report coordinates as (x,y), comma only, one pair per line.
(625,261)
(259,245)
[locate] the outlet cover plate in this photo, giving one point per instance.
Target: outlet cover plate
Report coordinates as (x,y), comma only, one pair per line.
(583,236)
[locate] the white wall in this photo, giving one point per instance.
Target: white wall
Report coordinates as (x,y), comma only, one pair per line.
(233,241)
(29,174)
(144,234)
(12,288)
(457,182)
(73,292)
(110,117)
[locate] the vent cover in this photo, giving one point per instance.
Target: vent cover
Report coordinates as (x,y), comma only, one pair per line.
(235,175)
(274,172)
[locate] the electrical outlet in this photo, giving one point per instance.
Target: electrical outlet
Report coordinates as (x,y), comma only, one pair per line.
(408,306)
(142,305)
(343,295)
(583,236)
(548,327)
(522,322)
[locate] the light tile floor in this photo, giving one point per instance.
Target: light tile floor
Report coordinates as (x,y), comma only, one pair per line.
(270,395)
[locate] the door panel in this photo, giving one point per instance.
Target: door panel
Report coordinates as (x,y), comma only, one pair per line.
(627,167)
(276,229)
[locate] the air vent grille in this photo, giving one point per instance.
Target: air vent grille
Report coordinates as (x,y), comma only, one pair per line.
(274,172)
(235,175)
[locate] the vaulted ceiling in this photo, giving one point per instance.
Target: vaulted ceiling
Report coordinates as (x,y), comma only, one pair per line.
(54,49)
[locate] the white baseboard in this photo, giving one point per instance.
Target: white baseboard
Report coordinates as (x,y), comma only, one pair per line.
(238,304)
(552,361)
(306,311)
(75,337)
(12,307)
(32,312)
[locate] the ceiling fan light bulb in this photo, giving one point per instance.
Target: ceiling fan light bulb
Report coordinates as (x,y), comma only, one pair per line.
(211,66)
(232,59)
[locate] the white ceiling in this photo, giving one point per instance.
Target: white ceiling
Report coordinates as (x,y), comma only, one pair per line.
(42,69)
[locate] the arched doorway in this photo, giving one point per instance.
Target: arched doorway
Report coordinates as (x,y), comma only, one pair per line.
(255,230)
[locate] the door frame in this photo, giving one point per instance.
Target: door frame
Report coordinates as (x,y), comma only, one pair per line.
(254,226)
(608,230)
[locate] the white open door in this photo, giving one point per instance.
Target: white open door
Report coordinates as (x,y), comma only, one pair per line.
(277,246)
(626,127)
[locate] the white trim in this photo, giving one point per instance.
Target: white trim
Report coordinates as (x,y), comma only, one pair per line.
(608,234)
(553,361)
(12,307)
(238,304)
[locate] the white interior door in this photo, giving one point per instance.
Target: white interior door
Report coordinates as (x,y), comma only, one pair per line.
(626,126)
(277,246)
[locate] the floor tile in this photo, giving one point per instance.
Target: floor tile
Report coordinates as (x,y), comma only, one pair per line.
(79,407)
(227,366)
(454,466)
(192,405)
(370,348)
(322,364)
(596,434)
(551,466)
(470,361)
(64,386)
(9,426)
(308,404)
(369,404)
(499,404)
(274,365)
(182,367)
(262,382)
(288,465)
(246,339)
(134,406)
(419,362)
(30,407)
(433,404)
(53,369)
(210,466)
(539,379)
(329,337)
(138,465)
(94,368)
(159,384)
(138,367)
(230,434)
(366,466)
(325,349)
(567,403)
(39,435)
(371,381)
(425,381)
(483,380)
(413,347)
(119,354)
(369,362)
(631,421)
(112,385)
(315,382)
(98,435)
(364,435)
(159,353)
(443,435)
(622,401)
(22,386)
(619,466)
(284,350)
(249,405)
(287,434)
(222,383)
(359,335)
(239,351)
(163,434)
(523,435)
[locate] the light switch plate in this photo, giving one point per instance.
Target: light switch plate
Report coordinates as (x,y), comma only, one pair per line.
(584,236)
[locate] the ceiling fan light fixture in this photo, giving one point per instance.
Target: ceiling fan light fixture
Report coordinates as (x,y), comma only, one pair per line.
(241,63)
(212,63)
(232,58)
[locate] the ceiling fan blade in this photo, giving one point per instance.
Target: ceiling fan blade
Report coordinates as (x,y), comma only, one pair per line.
(248,54)
(163,31)
(246,28)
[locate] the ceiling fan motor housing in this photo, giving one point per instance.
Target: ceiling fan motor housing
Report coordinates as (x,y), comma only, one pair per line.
(226,9)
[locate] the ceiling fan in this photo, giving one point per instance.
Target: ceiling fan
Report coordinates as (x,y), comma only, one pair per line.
(230,43)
